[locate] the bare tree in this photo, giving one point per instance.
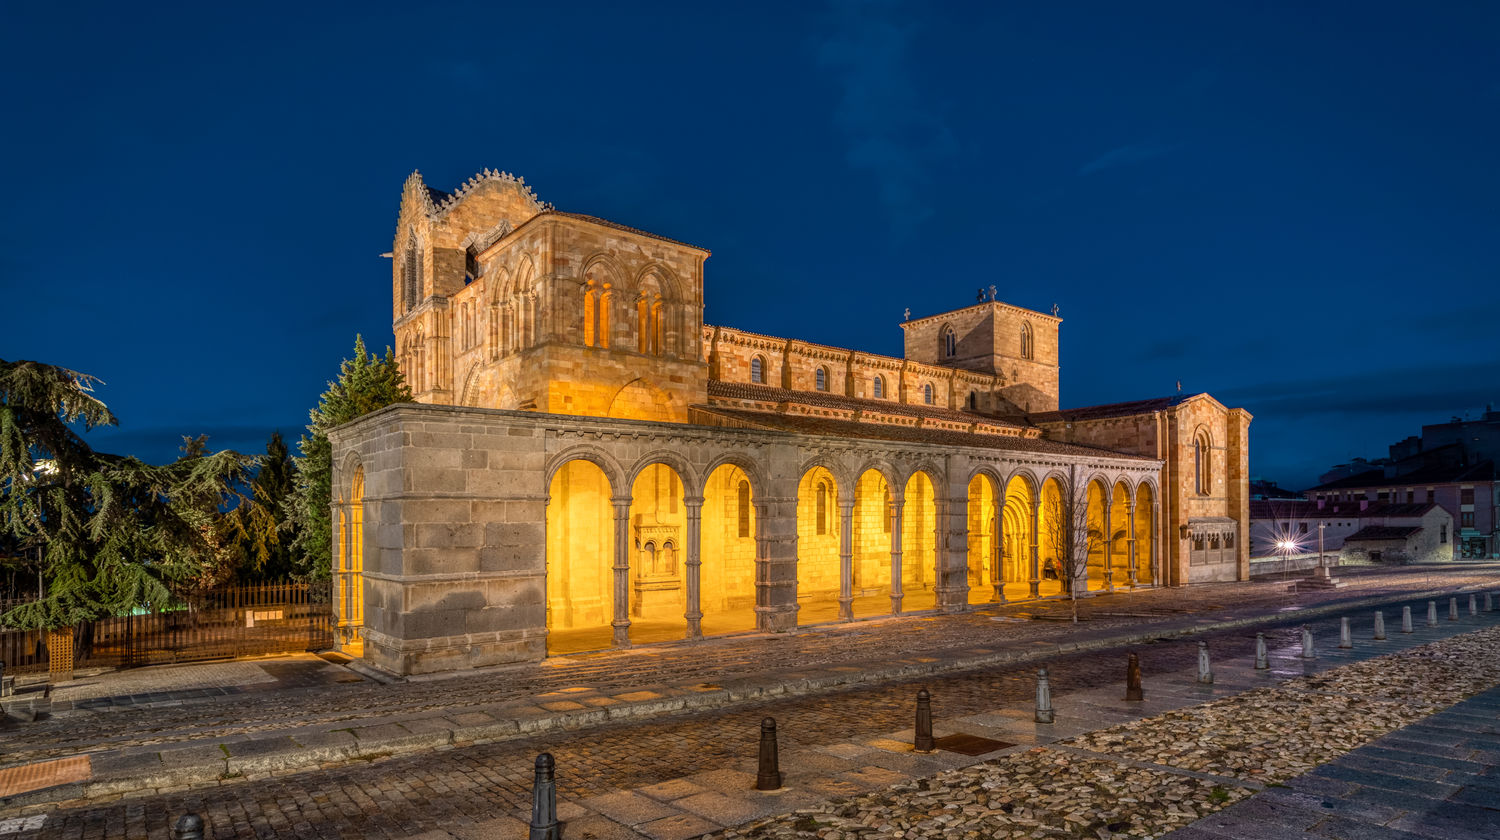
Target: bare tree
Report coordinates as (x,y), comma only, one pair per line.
(1070,538)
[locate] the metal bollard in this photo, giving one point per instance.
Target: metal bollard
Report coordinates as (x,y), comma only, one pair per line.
(768,775)
(1345,642)
(1452,609)
(1043,698)
(1379,626)
(1205,673)
(188,827)
(924,743)
(1262,662)
(1406,619)
(1133,689)
(1307,644)
(1473,604)
(544,825)
(1432,613)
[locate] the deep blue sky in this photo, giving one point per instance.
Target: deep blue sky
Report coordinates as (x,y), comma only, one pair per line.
(1297,210)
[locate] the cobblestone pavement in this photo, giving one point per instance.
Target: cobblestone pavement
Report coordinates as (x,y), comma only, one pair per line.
(674,778)
(310,696)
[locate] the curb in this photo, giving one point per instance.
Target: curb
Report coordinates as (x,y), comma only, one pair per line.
(128,774)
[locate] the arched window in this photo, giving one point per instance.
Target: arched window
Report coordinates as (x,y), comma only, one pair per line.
(1202,464)
(878,391)
(411,273)
(973,401)
(744,508)
(590,313)
(758,370)
(950,343)
(927,393)
(1027,351)
(822,379)
(606,297)
(822,511)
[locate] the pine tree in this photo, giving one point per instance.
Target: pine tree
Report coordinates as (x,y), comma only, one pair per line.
(259,527)
(366,382)
(114,533)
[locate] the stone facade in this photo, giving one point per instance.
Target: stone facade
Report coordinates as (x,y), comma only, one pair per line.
(588,464)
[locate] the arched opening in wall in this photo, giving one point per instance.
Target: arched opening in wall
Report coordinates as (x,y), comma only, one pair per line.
(580,560)
(726,577)
(1120,535)
(1097,534)
(877,387)
(1203,476)
(411,272)
(639,400)
(1028,349)
(983,522)
(350,579)
(973,401)
(919,545)
(870,566)
(927,396)
(821,379)
(817,547)
(658,574)
(758,370)
(1145,537)
(1055,536)
(1017,538)
(950,343)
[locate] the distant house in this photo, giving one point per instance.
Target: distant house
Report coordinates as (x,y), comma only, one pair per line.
(1408,537)
(1468,493)
(1292,527)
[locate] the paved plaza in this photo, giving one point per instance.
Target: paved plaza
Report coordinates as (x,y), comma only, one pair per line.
(655,742)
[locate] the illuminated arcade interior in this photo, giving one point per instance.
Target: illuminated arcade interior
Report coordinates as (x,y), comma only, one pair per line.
(581,528)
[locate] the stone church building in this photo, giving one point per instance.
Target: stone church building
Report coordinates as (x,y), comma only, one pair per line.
(588,464)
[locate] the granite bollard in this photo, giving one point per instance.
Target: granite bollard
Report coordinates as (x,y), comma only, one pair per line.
(768,774)
(1262,661)
(1432,614)
(1345,642)
(923,742)
(1133,689)
(1043,698)
(1205,671)
(1379,626)
(1406,620)
(1307,643)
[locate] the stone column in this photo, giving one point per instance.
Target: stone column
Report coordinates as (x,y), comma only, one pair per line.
(1130,548)
(846,559)
(1036,553)
(1108,502)
(622,571)
(997,552)
(693,506)
(897,503)
(1156,542)
(776,567)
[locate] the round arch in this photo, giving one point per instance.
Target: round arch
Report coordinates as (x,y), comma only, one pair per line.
(595,455)
(728,533)
(580,553)
(819,565)
(919,540)
(691,482)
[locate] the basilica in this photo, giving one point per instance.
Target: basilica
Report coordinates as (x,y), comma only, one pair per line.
(588,465)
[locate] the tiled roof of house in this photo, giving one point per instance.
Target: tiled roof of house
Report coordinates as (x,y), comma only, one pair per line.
(827,427)
(1482,471)
(1122,409)
(767,393)
(1383,532)
(1305,509)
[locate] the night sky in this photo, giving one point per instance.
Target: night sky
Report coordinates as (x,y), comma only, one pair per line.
(1296,210)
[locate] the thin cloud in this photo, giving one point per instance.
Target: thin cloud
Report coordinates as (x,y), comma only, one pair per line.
(889,129)
(1127,156)
(1430,393)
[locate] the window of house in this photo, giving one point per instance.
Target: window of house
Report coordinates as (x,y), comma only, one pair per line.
(1411,496)
(757,370)
(1443,534)
(1202,465)
(1301,527)
(822,379)
(1382,496)
(1466,496)
(743,511)
(878,389)
(1466,519)
(1430,495)
(927,393)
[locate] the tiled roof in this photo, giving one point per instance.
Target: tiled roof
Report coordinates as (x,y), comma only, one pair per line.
(825,427)
(1383,532)
(1122,409)
(768,393)
(1482,471)
(1304,509)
